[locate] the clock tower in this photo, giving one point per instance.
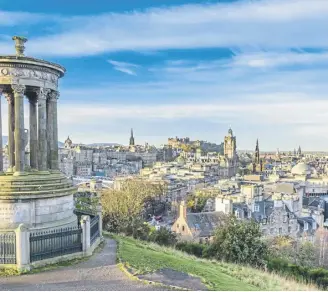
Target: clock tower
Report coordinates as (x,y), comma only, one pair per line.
(230,146)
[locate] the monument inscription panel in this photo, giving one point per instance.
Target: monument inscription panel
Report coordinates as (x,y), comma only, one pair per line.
(10,213)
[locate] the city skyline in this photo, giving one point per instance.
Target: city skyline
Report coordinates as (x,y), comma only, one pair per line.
(184,69)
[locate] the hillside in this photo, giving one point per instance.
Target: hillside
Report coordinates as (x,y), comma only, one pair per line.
(146,257)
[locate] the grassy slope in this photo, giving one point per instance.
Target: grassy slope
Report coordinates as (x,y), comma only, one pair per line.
(146,257)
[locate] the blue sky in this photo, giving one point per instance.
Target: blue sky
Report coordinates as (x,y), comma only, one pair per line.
(183,68)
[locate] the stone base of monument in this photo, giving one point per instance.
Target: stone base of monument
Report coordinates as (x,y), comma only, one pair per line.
(36,200)
(37,220)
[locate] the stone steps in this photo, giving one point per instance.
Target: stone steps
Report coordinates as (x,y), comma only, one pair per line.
(35,192)
(35,184)
(6,188)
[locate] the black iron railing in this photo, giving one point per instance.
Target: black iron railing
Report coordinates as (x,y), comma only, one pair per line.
(8,248)
(54,243)
(94,229)
(79,213)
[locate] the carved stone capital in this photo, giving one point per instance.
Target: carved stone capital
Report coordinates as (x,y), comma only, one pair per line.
(42,93)
(18,89)
(53,95)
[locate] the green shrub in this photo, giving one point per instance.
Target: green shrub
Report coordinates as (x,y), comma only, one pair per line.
(277,264)
(317,276)
(240,242)
(209,251)
(193,248)
(163,236)
(322,282)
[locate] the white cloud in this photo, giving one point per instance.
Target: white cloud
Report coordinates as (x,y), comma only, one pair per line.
(277,59)
(8,18)
(279,109)
(124,67)
(266,23)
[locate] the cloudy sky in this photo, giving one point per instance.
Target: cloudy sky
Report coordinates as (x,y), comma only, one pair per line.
(183,68)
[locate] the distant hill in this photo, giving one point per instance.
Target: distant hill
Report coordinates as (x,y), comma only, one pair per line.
(103,144)
(61,144)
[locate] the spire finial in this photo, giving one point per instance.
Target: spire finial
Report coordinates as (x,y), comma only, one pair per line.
(19,45)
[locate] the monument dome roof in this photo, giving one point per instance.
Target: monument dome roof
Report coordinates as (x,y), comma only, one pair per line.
(301,169)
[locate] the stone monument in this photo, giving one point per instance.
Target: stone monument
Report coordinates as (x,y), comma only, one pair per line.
(33,191)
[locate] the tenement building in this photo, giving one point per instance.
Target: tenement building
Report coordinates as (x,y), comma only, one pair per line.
(33,190)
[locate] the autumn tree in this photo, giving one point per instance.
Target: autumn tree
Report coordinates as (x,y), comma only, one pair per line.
(124,207)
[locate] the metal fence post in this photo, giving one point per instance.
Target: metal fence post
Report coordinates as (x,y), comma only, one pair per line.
(22,247)
(85,224)
(99,213)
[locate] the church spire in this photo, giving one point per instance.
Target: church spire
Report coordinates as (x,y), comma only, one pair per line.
(131,138)
(257,152)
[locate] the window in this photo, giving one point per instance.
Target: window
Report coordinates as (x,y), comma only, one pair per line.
(280,230)
(177,225)
(183,228)
(285,218)
(264,221)
(237,214)
(289,229)
(256,208)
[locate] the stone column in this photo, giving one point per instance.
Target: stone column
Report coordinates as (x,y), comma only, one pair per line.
(33,133)
(19,128)
(85,225)
(50,133)
(1,149)
(22,247)
(53,126)
(11,129)
(42,128)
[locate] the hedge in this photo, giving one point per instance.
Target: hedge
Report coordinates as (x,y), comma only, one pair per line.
(196,249)
(318,276)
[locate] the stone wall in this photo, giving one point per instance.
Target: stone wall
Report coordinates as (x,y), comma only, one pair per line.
(38,213)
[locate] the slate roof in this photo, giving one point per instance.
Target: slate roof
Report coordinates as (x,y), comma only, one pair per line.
(310,222)
(265,210)
(241,207)
(205,223)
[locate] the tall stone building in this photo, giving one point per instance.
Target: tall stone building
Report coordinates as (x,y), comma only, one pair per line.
(230,153)
(230,145)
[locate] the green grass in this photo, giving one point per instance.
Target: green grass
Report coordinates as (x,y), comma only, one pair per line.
(5,272)
(147,257)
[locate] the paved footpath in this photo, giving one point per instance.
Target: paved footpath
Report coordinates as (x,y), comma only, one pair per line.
(99,273)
